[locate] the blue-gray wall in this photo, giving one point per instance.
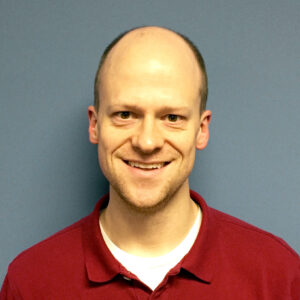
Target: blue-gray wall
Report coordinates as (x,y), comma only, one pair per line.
(49,175)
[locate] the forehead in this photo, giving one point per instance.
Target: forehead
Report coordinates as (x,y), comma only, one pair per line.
(152,45)
(156,64)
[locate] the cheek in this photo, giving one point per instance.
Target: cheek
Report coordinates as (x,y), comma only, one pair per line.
(102,157)
(187,148)
(184,142)
(105,146)
(108,140)
(189,155)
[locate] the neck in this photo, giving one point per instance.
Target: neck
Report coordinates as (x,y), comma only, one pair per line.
(149,233)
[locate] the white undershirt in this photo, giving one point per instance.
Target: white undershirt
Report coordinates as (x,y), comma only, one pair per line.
(152,270)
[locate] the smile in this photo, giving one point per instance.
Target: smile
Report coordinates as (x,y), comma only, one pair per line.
(145,166)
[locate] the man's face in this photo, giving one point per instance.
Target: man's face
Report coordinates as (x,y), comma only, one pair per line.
(148,125)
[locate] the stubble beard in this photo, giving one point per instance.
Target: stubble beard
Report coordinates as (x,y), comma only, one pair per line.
(148,205)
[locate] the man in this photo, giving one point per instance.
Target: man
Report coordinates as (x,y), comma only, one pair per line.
(152,237)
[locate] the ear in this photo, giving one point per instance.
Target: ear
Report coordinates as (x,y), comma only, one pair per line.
(93,128)
(203,133)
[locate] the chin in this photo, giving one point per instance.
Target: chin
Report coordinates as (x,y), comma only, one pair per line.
(147,201)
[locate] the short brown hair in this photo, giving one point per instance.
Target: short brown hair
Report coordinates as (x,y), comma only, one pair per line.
(203,90)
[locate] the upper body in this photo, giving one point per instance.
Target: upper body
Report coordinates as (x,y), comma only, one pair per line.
(230,259)
(148,120)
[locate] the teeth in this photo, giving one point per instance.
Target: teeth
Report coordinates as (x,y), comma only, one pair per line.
(145,166)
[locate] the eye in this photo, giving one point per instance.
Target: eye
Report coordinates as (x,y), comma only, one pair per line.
(124,115)
(172,118)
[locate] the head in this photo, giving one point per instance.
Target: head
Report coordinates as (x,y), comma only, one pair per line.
(203,91)
(149,117)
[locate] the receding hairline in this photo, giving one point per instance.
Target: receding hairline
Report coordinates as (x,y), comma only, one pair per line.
(201,64)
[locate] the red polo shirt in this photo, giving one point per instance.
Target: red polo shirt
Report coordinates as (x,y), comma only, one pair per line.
(230,259)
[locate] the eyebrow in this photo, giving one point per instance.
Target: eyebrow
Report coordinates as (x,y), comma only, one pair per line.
(139,108)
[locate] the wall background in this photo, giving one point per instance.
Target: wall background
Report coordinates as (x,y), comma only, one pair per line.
(49,52)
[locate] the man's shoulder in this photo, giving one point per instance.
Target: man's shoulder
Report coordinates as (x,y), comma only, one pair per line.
(237,235)
(47,254)
(241,238)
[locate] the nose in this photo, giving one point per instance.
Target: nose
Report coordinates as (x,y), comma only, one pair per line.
(148,137)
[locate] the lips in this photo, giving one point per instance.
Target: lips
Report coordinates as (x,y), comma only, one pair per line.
(146,166)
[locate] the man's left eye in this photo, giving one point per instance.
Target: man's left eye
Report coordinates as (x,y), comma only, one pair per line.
(173,118)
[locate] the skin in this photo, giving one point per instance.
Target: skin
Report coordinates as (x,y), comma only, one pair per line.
(149,113)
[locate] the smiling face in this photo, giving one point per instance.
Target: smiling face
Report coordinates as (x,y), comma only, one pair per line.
(148,124)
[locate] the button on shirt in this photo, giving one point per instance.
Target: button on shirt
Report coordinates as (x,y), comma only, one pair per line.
(230,259)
